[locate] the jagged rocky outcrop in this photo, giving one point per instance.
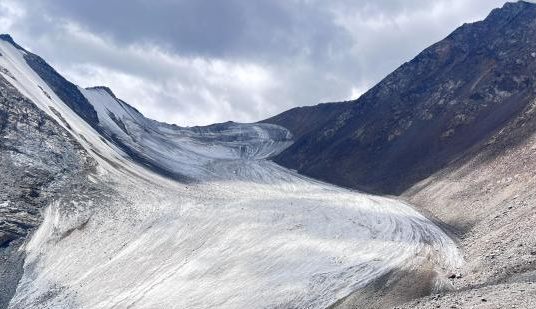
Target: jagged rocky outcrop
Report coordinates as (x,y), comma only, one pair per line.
(430,111)
(489,200)
(39,162)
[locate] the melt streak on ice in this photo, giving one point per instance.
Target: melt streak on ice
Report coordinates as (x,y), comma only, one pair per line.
(238,231)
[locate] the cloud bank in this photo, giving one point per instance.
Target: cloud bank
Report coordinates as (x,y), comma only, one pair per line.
(195,62)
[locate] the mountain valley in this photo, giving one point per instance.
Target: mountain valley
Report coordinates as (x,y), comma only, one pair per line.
(419,194)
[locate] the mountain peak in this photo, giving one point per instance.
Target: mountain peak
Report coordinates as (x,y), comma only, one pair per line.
(107,89)
(459,91)
(6,37)
(511,9)
(518,4)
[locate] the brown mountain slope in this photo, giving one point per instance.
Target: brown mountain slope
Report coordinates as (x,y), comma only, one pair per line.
(430,111)
(489,198)
(454,133)
(488,201)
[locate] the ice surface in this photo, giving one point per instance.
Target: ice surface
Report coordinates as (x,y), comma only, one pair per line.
(246,233)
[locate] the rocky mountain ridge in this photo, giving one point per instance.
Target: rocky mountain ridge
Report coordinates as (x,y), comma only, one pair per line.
(39,163)
(427,113)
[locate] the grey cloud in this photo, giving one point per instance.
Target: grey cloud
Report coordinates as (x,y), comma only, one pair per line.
(232,28)
(303,51)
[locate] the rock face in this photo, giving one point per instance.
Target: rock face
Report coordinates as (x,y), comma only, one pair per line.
(488,198)
(39,162)
(430,111)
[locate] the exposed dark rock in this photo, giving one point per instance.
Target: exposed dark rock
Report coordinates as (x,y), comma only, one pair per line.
(65,90)
(8,38)
(34,173)
(439,110)
(430,111)
(107,89)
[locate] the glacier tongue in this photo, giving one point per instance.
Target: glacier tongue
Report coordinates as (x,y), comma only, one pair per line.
(241,232)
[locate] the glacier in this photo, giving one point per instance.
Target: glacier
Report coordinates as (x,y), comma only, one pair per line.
(227,229)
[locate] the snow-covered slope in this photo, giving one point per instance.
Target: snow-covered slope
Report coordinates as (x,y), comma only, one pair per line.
(235,230)
(190,152)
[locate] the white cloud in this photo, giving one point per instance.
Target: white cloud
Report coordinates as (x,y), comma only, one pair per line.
(10,13)
(382,41)
(183,90)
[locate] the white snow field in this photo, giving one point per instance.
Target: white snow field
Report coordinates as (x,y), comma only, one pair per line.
(241,232)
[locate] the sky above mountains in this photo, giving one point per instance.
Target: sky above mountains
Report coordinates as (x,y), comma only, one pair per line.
(196,62)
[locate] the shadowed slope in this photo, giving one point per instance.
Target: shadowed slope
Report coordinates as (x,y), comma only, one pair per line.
(427,113)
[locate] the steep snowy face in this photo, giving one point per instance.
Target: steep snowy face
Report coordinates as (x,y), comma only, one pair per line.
(235,231)
(189,152)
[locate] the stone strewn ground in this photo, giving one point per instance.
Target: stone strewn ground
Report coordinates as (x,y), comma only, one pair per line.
(488,201)
(518,295)
(39,162)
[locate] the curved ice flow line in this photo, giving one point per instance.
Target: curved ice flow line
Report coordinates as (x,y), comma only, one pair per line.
(255,236)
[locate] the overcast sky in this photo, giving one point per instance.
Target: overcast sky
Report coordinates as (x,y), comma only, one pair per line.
(194,62)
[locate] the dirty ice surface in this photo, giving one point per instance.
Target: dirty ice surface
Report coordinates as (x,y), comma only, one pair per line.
(238,231)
